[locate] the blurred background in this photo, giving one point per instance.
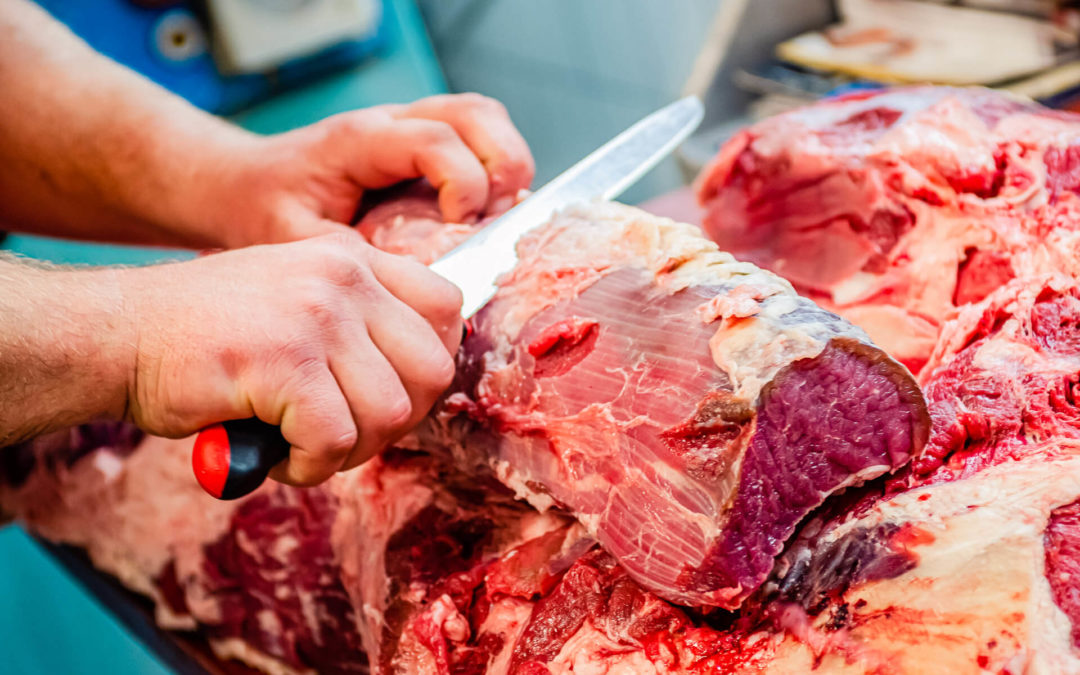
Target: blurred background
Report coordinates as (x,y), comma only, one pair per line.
(572,73)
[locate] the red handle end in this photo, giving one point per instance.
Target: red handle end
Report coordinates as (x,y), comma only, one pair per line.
(233,459)
(210,459)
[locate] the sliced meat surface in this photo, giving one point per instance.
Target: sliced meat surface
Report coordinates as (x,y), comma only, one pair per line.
(688,409)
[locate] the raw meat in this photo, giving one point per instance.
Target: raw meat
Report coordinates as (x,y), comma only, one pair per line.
(973,597)
(257,577)
(418,543)
(979,572)
(460,579)
(688,409)
(1004,378)
(894,208)
(944,578)
(406,220)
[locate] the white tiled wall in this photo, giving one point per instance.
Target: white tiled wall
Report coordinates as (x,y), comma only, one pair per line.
(573,73)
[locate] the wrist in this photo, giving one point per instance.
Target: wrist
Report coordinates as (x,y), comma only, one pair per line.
(214,191)
(67,349)
(97,333)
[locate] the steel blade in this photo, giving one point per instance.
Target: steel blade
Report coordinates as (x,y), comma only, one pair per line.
(475,265)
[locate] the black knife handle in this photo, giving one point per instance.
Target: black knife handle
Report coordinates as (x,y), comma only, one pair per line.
(233,458)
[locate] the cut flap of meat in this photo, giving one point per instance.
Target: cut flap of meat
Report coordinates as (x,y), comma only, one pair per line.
(417,541)
(405,220)
(894,207)
(688,409)
(1004,378)
(529,596)
(959,586)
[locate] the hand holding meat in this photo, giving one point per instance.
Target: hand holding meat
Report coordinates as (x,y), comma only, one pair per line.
(309,182)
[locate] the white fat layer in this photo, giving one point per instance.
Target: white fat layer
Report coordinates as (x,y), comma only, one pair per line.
(518,483)
(591,652)
(980,587)
(507,617)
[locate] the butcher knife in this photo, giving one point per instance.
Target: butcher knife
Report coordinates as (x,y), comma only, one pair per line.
(233,458)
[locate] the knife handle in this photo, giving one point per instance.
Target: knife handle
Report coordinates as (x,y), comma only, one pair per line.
(233,458)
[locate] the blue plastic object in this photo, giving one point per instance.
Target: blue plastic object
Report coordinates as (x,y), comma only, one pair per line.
(853,88)
(139,37)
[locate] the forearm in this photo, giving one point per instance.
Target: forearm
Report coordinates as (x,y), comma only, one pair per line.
(91,150)
(66,348)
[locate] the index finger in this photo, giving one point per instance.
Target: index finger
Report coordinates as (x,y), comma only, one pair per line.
(485,126)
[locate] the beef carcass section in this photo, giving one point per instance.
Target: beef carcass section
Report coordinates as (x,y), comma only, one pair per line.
(257,577)
(894,208)
(949,577)
(979,588)
(689,410)
(986,520)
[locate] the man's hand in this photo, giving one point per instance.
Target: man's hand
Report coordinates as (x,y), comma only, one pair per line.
(344,346)
(310,181)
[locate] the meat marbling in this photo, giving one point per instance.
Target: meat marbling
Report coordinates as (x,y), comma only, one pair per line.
(688,409)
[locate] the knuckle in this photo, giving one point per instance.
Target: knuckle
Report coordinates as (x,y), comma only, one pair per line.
(520,166)
(301,473)
(355,122)
(296,356)
(446,298)
(441,371)
(315,306)
(481,103)
(340,443)
(307,477)
(341,267)
(306,378)
(343,240)
(358,457)
(436,133)
(323,310)
(395,412)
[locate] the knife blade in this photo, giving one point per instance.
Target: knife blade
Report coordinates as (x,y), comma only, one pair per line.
(476,264)
(232,459)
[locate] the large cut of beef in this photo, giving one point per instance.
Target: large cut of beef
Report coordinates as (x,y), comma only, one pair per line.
(968,564)
(689,410)
(894,208)
(429,560)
